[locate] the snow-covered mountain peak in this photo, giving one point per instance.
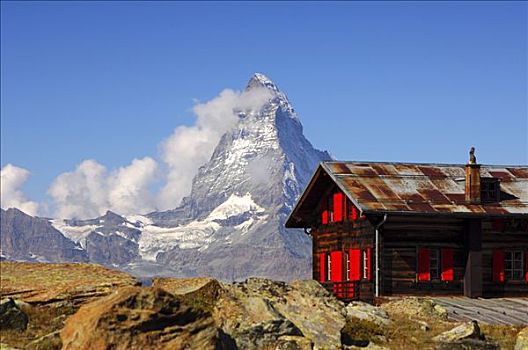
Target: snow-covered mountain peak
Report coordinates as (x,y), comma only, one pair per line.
(260,80)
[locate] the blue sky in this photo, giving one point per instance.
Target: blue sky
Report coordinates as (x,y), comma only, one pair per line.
(407,81)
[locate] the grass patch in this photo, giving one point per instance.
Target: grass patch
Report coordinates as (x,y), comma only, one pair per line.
(504,335)
(360,332)
(405,332)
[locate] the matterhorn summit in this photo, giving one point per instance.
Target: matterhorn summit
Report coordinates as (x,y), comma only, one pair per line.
(255,174)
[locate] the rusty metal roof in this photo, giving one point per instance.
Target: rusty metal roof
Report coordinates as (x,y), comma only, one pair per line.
(409,188)
(426,188)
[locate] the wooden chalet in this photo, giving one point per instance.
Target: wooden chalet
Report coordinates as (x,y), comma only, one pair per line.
(382,229)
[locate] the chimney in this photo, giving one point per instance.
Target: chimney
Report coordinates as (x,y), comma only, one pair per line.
(472,192)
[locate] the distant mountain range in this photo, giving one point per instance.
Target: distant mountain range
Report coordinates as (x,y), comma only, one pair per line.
(231,226)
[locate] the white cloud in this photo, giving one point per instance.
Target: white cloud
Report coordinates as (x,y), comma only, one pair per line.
(189,147)
(90,191)
(129,193)
(11,195)
(80,193)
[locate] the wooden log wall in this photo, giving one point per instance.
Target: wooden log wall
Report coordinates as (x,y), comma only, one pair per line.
(400,238)
(503,234)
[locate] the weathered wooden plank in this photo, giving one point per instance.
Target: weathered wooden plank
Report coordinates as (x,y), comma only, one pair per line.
(492,311)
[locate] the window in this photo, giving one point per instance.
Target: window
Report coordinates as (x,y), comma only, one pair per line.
(434,264)
(489,190)
(513,265)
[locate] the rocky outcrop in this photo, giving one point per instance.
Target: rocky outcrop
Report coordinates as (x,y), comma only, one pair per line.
(11,316)
(24,237)
(260,313)
(141,318)
(316,315)
(76,284)
(103,308)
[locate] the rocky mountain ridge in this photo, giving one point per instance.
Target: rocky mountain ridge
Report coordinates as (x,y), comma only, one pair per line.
(28,238)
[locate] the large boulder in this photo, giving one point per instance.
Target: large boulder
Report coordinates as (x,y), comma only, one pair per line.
(317,313)
(11,316)
(246,312)
(275,311)
(365,311)
(522,340)
(203,291)
(140,318)
(468,330)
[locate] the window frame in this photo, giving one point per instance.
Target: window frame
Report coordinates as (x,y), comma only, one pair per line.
(510,259)
(437,260)
(328,267)
(347,276)
(364,262)
(489,190)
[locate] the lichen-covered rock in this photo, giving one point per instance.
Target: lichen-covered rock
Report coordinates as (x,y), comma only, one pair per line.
(370,346)
(522,340)
(302,308)
(140,318)
(468,344)
(415,307)
(319,315)
(468,330)
(201,291)
(289,342)
(365,311)
(11,316)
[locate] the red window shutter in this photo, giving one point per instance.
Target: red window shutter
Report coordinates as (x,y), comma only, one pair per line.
(448,273)
(423,265)
(336,259)
(353,212)
(498,265)
(369,261)
(338,207)
(355,264)
(324,212)
(322,267)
